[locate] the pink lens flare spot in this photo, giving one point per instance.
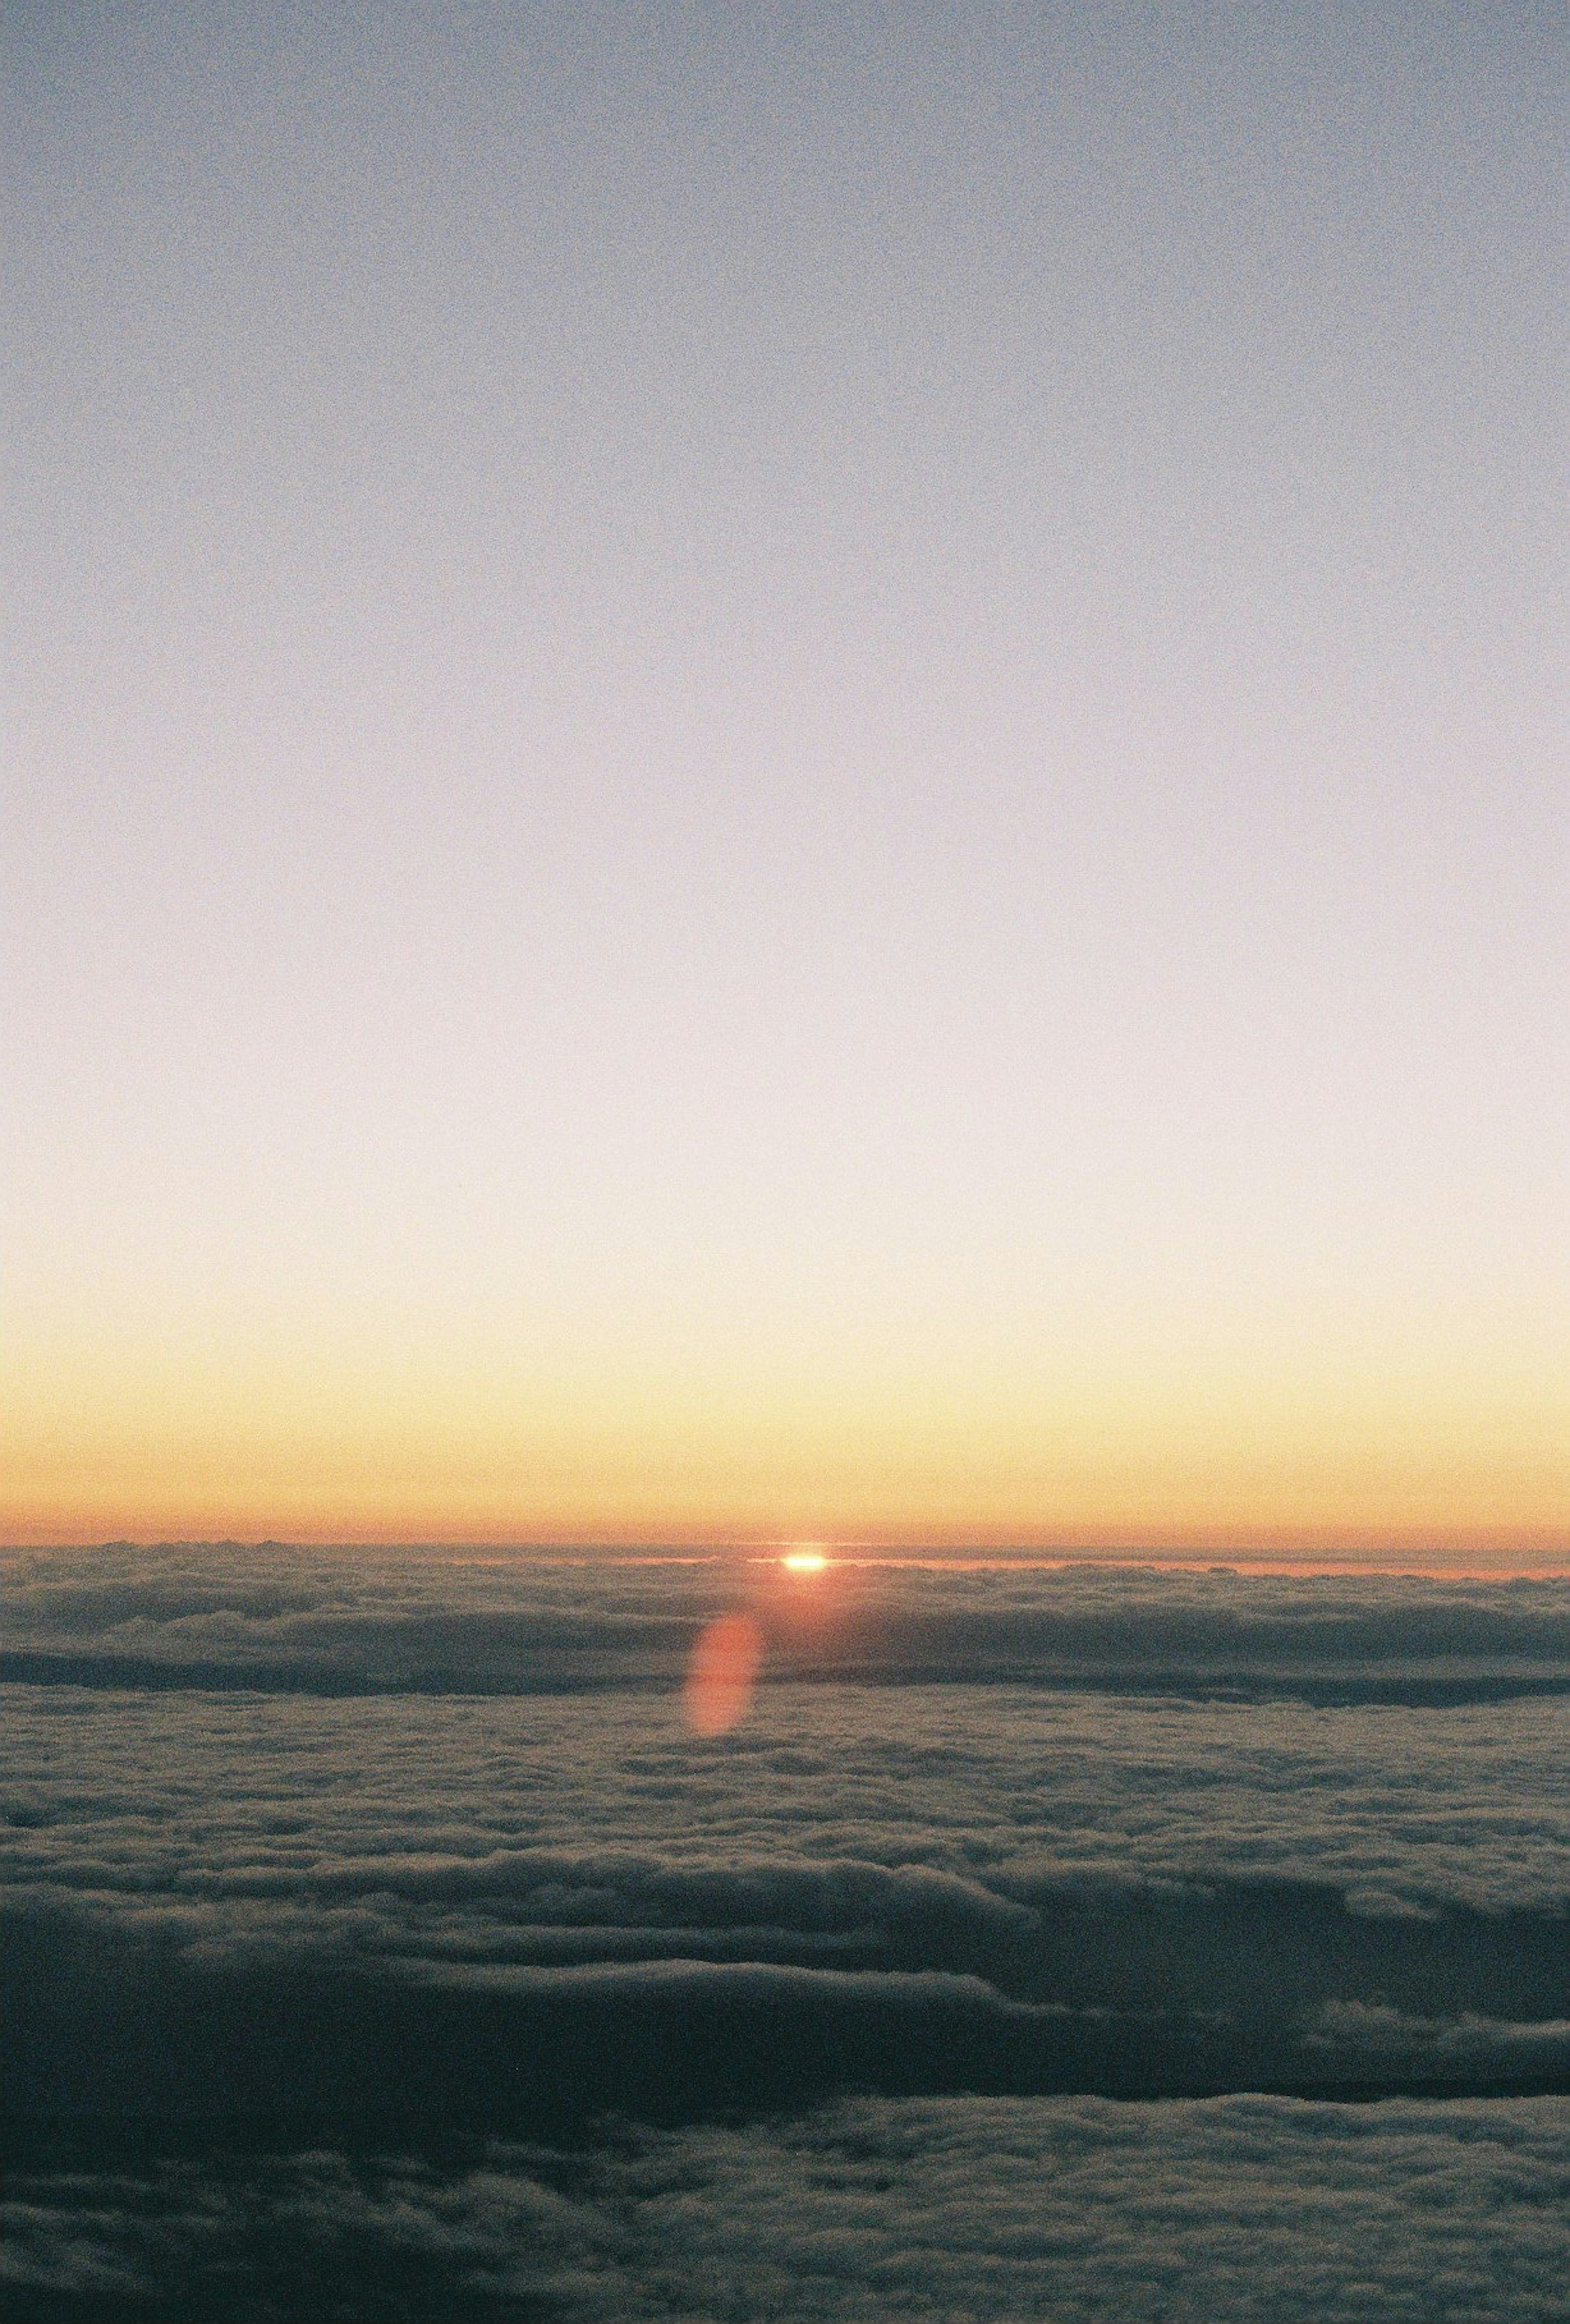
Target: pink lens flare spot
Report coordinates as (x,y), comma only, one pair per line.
(722,1672)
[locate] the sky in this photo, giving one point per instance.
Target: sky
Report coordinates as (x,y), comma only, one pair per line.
(788,772)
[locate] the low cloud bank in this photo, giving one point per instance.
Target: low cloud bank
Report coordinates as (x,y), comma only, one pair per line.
(384,1621)
(664,1993)
(1195,2213)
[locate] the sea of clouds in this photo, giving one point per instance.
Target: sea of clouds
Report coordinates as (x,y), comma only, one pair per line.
(1032,1925)
(414,1621)
(1233,2210)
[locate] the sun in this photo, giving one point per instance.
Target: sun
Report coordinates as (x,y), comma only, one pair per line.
(804,1561)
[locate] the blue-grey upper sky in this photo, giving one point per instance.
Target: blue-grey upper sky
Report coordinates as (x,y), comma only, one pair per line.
(747,724)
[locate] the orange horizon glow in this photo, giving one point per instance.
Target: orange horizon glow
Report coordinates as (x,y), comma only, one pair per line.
(671,1533)
(1390,1460)
(1073,1481)
(1422,1551)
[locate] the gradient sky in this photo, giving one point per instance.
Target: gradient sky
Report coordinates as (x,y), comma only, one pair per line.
(789,771)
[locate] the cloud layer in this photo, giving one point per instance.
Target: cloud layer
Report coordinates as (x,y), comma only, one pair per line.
(368,1623)
(1235,2209)
(455,1974)
(518,1909)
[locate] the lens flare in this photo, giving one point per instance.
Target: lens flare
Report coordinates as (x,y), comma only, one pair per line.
(721,1673)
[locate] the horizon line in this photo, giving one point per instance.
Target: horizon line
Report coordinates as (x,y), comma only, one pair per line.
(1428,1558)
